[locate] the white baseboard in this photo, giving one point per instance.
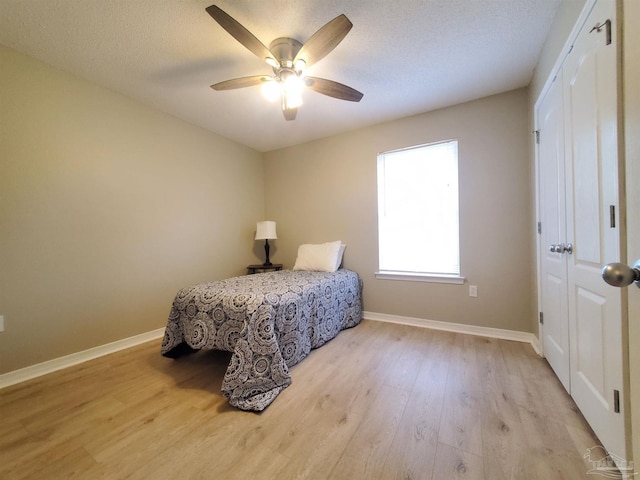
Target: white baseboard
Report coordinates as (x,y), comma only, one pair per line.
(27,373)
(458,328)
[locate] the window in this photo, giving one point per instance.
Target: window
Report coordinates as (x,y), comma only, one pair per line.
(418,229)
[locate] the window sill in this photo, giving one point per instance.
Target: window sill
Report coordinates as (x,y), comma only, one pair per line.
(420,277)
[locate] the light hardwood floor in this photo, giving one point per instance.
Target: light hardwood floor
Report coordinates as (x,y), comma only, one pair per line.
(381,401)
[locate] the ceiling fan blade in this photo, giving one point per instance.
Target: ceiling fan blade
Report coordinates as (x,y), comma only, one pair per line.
(324,40)
(242,82)
(289,113)
(241,34)
(333,89)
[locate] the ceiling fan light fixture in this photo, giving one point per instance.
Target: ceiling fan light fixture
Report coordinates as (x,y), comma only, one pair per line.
(300,65)
(272,90)
(289,59)
(290,102)
(272,62)
(292,91)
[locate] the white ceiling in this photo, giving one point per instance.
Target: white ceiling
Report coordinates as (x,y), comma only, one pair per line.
(406,56)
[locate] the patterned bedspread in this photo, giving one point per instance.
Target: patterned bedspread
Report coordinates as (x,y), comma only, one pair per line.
(269,321)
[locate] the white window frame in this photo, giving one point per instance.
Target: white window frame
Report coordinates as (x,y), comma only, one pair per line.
(415,276)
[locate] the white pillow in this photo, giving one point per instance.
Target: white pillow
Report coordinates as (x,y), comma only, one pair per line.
(324,257)
(340,254)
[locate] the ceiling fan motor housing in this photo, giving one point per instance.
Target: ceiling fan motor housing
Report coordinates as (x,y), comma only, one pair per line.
(285,50)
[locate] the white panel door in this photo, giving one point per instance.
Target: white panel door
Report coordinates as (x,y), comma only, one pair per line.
(551,208)
(595,316)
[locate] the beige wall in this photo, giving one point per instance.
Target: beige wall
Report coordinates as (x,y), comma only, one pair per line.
(326,190)
(107,208)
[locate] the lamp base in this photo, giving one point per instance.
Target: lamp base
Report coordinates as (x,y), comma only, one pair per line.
(267,262)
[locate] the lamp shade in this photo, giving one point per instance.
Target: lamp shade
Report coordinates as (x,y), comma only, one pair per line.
(266,230)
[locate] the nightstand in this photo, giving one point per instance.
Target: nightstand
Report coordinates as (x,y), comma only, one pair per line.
(274,267)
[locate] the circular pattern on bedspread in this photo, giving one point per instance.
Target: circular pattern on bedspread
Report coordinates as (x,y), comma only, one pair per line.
(261,366)
(228,335)
(280,371)
(288,313)
(330,326)
(184,296)
(218,316)
(322,310)
(293,349)
(172,337)
(191,309)
(349,297)
(272,298)
(238,303)
(197,332)
(238,370)
(174,315)
(262,332)
(208,297)
(328,292)
(311,299)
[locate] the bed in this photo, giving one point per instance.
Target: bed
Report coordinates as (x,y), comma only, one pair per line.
(268,321)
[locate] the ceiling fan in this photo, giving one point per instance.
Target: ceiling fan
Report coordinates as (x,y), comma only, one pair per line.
(289,58)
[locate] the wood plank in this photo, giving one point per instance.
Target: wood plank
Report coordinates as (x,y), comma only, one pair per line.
(460,425)
(412,452)
(505,448)
(365,454)
(452,463)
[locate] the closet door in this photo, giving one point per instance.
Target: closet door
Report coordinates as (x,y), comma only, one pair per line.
(591,140)
(552,215)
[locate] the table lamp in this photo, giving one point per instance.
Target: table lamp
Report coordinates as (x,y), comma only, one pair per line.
(266,231)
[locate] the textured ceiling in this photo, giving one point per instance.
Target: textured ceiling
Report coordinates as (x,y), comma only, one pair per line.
(406,56)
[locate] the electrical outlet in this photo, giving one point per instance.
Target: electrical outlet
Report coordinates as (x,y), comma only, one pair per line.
(1,323)
(473,290)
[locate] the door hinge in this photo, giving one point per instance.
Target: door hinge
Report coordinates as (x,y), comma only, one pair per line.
(541,318)
(607,26)
(612,216)
(539,228)
(537,134)
(616,401)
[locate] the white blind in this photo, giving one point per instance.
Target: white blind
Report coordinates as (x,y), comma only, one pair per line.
(418,225)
